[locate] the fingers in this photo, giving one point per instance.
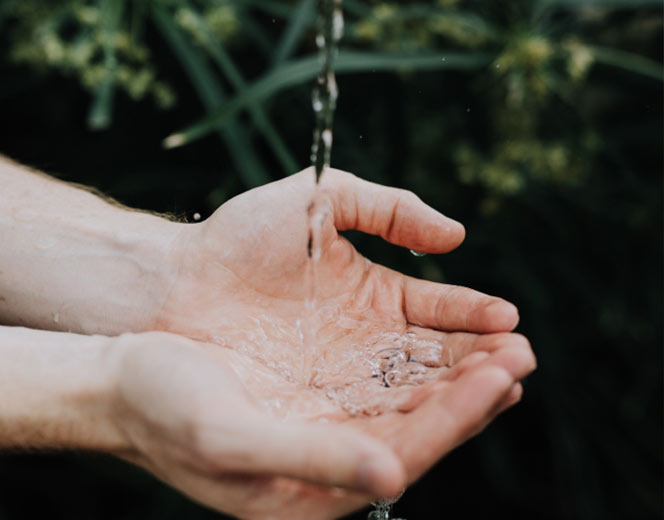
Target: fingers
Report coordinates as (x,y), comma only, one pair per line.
(398,216)
(463,366)
(510,351)
(514,396)
(461,350)
(454,308)
(322,454)
(452,416)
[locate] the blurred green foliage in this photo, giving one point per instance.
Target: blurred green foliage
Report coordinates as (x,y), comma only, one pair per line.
(537,123)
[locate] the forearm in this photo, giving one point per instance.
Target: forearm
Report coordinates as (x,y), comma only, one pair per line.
(70,261)
(57,391)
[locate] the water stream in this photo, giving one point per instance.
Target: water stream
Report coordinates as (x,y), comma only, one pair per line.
(325,93)
(324,100)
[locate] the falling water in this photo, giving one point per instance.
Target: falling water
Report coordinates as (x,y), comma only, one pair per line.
(324,102)
(325,93)
(383,508)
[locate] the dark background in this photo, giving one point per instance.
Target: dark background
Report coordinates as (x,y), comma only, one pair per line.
(553,164)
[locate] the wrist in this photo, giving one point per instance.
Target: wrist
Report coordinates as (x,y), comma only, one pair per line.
(179,280)
(71,261)
(148,252)
(57,391)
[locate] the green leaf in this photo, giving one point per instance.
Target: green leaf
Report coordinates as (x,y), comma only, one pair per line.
(301,17)
(99,116)
(221,57)
(628,61)
(212,96)
(305,69)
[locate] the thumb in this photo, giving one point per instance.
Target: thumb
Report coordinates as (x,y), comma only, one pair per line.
(397,215)
(325,454)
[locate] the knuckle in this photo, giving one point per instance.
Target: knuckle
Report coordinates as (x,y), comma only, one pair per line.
(340,176)
(408,195)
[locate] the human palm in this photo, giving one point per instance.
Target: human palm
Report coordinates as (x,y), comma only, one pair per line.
(416,365)
(245,279)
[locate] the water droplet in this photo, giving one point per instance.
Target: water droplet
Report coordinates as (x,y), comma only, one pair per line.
(327,138)
(274,20)
(320,41)
(443,59)
(332,89)
(497,65)
(337,25)
(197,216)
(316,101)
(361,137)
(468,110)
(417,253)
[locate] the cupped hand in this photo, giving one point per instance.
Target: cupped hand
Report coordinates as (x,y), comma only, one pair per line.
(243,278)
(188,418)
(417,366)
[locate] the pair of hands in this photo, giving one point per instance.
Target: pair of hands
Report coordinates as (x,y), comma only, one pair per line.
(237,428)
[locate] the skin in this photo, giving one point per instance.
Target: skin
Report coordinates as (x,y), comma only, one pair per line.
(194,404)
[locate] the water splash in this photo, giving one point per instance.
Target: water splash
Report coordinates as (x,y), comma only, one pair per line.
(417,253)
(384,508)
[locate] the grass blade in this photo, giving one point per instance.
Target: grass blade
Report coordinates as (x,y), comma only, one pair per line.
(629,61)
(99,116)
(221,57)
(305,69)
(301,17)
(212,96)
